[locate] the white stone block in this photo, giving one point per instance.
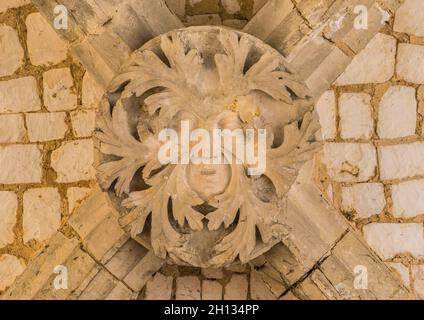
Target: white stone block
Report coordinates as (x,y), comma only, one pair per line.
(12,128)
(410,63)
(397,116)
(391,239)
(409,18)
(374,64)
(326,109)
(20,164)
(44,44)
(10,268)
(401,161)
(83,123)
(8,211)
(408,199)
(11,51)
(19,95)
(366,199)
(58,90)
(356,116)
(42,214)
(350,162)
(46,126)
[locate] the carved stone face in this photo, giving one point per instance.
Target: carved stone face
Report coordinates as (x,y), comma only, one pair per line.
(211,78)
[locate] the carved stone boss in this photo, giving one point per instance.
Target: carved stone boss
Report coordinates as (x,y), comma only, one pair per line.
(196,214)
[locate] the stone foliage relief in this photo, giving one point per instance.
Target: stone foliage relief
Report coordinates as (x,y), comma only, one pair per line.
(198,214)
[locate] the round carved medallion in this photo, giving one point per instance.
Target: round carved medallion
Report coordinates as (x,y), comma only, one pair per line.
(176,97)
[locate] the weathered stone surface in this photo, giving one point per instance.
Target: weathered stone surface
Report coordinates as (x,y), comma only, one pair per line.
(143,271)
(159,287)
(212,273)
(58,90)
(100,287)
(231,6)
(409,18)
(356,116)
(350,162)
(408,199)
(374,64)
(401,271)
(126,259)
(326,109)
(410,64)
(10,268)
(12,128)
(188,288)
(19,95)
(401,161)
(120,292)
(237,288)
(20,164)
(177,6)
(46,126)
(235,23)
(259,289)
(41,268)
(70,168)
(44,45)
(204,20)
(366,199)
(211,290)
(391,239)
(42,214)
(398,113)
(83,123)
(11,51)
(8,213)
(92,92)
(9,4)
(75,196)
(417,272)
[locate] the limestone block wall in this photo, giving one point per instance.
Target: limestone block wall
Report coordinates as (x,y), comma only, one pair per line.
(47,109)
(372,121)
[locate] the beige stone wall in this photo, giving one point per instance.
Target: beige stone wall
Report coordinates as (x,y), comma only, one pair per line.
(372,127)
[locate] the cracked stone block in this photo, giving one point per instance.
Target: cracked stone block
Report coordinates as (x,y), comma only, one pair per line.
(374,64)
(19,95)
(92,92)
(356,120)
(391,239)
(20,164)
(231,6)
(83,123)
(100,287)
(401,161)
(187,288)
(159,287)
(211,290)
(10,268)
(237,288)
(12,128)
(417,272)
(58,90)
(350,162)
(8,211)
(11,51)
(259,289)
(143,271)
(409,18)
(408,199)
(44,127)
(42,214)
(401,271)
(75,197)
(397,113)
(70,168)
(367,199)
(326,109)
(410,63)
(45,47)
